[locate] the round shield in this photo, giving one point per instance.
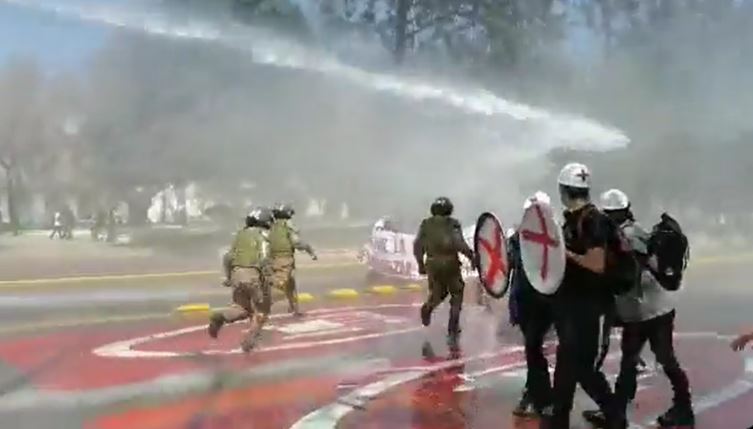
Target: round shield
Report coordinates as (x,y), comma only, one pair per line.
(542,248)
(491,250)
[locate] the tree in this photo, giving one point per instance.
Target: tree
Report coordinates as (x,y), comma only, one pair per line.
(22,123)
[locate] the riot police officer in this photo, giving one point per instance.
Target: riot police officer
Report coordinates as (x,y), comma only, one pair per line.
(248,257)
(440,239)
(284,241)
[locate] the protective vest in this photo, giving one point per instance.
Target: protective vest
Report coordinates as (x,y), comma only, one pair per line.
(439,233)
(248,248)
(280,240)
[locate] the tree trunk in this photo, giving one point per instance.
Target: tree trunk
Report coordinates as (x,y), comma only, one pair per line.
(138,208)
(181,215)
(12,209)
(163,208)
(401,29)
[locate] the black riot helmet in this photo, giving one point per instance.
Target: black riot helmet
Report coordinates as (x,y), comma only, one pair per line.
(260,217)
(442,206)
(283,211)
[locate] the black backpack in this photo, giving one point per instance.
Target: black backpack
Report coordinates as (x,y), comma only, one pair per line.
(672,250)
(622,270)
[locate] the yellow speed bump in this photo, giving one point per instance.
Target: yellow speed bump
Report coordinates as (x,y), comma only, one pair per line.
(414,286)
(193,309)
(305,297)
(383,289)
(343,293)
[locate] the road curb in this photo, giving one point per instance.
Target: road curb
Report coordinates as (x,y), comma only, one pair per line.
(193,308)
(305,297)
(343,293)
(383,289)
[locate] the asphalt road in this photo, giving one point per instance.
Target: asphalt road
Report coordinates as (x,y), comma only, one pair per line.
(50,330)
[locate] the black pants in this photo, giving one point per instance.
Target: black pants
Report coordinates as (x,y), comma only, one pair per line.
(583,329)
(445,278)
(537,319)
(658,333)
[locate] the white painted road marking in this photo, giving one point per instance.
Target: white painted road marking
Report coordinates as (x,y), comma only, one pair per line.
(125,348)
(307,327)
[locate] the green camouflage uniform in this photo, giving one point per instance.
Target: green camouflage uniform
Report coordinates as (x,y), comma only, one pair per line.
(283,242)
(247,260)
(440,238)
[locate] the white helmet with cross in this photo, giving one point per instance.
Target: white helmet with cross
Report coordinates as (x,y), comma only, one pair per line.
(575,175)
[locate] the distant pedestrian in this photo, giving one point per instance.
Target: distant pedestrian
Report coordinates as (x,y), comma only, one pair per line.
(57,225)
(100,222)
(111,223)
(69,222)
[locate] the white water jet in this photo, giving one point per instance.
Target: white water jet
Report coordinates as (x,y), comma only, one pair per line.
(560,130)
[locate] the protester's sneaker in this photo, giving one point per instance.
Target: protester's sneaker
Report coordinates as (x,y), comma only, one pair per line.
(596,418)
(525,408)
(677,417)
(642,366)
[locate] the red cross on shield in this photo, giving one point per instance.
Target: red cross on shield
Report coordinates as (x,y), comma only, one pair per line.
(541,248)
(491,250)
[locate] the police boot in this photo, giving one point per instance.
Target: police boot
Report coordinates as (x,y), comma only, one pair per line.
(678,417)
(294,310)
(426,315)
(453,325)
(453,332)
(453,341)
(249,341)
(216,320)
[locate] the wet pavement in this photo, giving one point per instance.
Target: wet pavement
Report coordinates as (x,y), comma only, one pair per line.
(363,363)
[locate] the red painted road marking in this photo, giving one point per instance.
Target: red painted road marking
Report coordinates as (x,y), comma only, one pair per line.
(497,265)
(70,364)
(436,401)
(543,239)
(182,342)
(427,397)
